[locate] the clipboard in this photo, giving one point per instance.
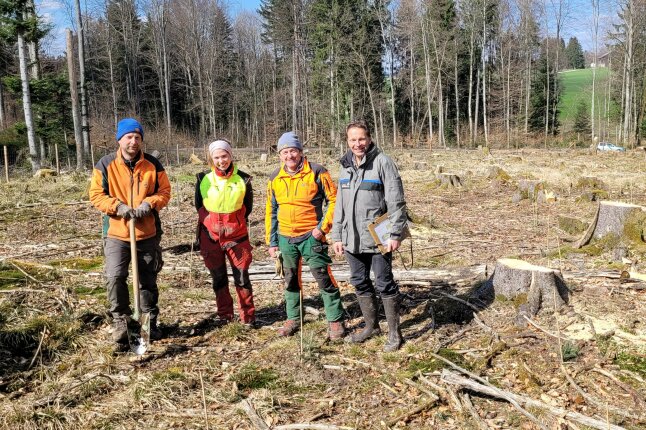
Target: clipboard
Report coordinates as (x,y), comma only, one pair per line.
(380,230)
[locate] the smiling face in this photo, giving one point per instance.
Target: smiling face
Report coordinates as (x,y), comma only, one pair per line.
(130,144)
(291,158)
(221,159)
(358,141)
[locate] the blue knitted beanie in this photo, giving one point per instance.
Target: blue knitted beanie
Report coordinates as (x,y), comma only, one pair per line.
(129,125)
(289,140)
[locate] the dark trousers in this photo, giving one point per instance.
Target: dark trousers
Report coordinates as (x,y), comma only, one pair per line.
(381,265)
(117,265)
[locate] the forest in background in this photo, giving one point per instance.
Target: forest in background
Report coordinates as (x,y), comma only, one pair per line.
(438,73)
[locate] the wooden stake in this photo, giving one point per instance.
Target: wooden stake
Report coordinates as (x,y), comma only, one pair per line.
(58,165)
(206,415)
(6,164)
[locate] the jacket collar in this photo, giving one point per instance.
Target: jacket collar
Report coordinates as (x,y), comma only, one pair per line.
(348,159)
(304,170)
(232,170)
(130,163)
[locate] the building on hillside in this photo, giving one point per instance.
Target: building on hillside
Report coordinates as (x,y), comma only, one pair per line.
(603,60)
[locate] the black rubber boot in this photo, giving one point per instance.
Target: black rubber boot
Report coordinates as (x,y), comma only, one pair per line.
(155,332)
(391,308)
(368,305)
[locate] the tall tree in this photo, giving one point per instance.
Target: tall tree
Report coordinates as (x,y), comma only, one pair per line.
(581,120)
(19,22)
(574,54)
(544,98)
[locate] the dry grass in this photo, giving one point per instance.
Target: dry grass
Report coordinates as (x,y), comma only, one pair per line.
(74,381)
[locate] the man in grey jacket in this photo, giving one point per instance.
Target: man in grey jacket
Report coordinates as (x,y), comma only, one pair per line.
(369,186)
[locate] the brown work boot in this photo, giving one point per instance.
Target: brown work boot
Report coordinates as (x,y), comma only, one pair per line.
(289,328)
(120,331)
(335,330)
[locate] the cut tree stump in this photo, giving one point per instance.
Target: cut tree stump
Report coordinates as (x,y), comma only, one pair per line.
(615,218)
(543,287)
(449,179)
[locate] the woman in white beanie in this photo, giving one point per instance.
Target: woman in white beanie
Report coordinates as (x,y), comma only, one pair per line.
(224,199)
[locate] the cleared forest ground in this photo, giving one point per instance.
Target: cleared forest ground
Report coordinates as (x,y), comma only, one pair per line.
(57,368)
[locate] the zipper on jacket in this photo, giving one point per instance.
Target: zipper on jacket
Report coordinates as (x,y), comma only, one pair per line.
(132,189)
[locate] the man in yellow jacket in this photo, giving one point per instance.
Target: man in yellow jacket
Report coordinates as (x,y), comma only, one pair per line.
(300,205)
(129,184)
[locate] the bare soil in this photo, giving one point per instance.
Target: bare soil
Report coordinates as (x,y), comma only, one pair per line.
(58,368)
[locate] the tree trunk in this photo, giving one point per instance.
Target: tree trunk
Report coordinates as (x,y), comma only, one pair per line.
(595,38)
(112,84)
(3,119)
(484,74)
(457,94)
(26,104)
(85,120)
(71,69)
(472,125)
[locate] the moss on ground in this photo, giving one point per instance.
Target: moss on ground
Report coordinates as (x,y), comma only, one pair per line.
(571,225)
(251,376)
(432,364)
(85,264)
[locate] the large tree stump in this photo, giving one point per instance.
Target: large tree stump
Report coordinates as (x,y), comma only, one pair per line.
(622,220)
(536,287)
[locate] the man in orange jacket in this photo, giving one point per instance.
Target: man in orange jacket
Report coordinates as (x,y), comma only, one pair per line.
(130,184)
(296,224)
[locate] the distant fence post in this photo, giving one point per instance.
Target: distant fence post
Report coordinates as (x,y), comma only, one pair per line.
(6,163)
(92,155)
(177,147)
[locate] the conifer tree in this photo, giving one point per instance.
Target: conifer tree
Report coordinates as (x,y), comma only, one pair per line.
(538,99)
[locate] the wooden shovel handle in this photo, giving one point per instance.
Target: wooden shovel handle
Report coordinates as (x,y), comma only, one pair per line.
(135,267)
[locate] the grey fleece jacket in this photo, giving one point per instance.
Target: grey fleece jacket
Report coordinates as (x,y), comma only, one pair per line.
(366,192)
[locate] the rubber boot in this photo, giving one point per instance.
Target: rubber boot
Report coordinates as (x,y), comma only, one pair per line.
(368,305)
(246,306)
(391,308)
(155,332)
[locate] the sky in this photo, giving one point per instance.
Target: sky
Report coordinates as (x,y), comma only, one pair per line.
(59,13)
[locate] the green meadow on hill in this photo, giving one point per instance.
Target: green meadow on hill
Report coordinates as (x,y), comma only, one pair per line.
(577,87)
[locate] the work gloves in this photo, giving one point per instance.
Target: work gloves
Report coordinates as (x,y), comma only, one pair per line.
(126,212)
(143,210)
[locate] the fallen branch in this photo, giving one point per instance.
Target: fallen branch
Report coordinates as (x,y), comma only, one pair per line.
(468,405)
(529,320)
(455,379)
(639,402)
(40,345)
(23,272)
(408,415)
(501,393)
(596,403)
(256,421)
(308,426)
(23,290)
